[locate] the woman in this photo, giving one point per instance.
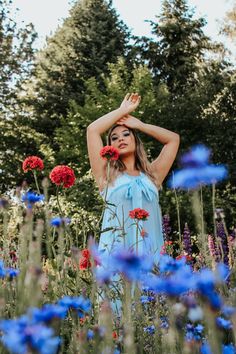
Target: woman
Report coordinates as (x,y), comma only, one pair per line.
(133,181)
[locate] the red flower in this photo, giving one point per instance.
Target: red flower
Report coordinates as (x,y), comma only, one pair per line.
(84,263)
(86,253)
(32,163)
(109,153)
(62,175)
(114,335)
(139,214)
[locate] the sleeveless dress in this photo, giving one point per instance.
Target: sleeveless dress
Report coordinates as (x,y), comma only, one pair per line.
(118,229)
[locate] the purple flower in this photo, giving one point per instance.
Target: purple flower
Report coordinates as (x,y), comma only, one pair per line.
(187,240)
(166,227)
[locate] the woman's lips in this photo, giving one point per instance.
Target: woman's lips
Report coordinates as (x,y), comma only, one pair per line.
(121,146)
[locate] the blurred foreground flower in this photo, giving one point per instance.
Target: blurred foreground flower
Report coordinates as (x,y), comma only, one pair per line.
(57,221)
(62,175)
(31,198)
(109,153)
(32,163)
(197,171)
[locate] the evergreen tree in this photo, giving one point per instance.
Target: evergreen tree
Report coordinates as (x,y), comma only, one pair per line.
(90,38)
(176,54)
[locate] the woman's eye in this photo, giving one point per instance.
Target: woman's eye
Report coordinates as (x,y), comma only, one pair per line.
(113,138)
(127,134)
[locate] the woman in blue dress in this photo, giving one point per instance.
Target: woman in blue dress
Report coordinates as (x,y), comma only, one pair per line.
(133,180)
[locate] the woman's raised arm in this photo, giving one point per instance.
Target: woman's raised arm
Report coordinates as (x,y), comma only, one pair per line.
(100,126)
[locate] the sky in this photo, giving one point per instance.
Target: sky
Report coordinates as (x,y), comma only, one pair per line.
(47,15)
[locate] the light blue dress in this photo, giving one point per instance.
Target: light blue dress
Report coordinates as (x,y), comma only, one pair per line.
(125,194)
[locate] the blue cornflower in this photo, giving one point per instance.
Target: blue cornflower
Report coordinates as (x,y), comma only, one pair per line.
(2,270)
(57,221)
(20,334)
(90,334)
(197,156)
(196,170)
(149,329)
(223,323)
(48,312)
(193,332)
(80,304)
(31,198)
(192,178)
(228,349)
(228,311)
(205,348)
(169,264)
(146,299)
(12,272)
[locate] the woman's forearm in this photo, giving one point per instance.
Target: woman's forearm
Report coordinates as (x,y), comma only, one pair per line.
(102,124)
(163,135)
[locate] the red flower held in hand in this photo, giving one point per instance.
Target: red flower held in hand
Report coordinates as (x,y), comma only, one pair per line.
(139,214)
(62,175)
(32,163)
(109,153)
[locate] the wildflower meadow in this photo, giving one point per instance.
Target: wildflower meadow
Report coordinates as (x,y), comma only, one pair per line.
(62,295)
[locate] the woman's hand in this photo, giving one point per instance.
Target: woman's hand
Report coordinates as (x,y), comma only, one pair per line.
(130,102)
(130,122)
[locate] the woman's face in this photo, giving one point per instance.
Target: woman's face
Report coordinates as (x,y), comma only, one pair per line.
(123,140)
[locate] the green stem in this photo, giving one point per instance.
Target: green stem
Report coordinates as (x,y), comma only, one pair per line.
(137,238)
(58,203)
(36,181)
(178,218)
(214,206)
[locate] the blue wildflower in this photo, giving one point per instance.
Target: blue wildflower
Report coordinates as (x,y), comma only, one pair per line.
(90,334)
(228,311)
(169,264)
(2,270)
(146,299)
(19,335)
(57,221)
(12,272)
(228,349)
(149,329)
(48,312)
(193,332)
(197,156)
(31,198)
(223,323)
(80,304)
(196,170)
(205,348)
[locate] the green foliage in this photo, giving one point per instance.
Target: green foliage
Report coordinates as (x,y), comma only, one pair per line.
(176,54)
(90,38)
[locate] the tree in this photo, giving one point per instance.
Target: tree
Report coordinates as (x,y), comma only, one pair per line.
(16,55)
(176,54)
(16,58)
(90,38)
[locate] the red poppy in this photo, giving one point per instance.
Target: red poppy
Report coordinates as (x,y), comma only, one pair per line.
(114,335)
(32,163)
(139,214)
(62,175)
(109,153)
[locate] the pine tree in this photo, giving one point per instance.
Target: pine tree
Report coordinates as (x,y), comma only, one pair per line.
(176,54)
(90,38)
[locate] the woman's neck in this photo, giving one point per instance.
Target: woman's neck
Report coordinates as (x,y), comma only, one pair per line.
(129,163)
